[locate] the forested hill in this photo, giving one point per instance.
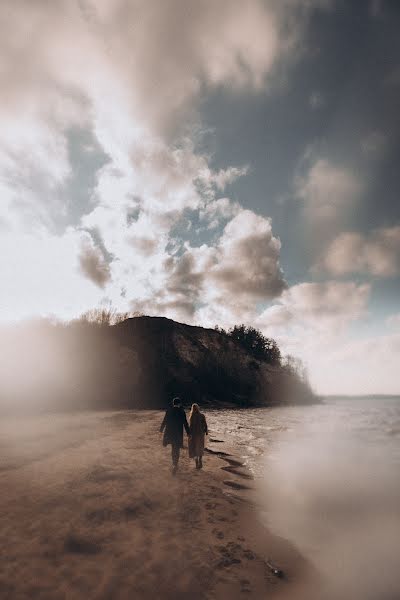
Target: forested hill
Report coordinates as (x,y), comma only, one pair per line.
(141,362)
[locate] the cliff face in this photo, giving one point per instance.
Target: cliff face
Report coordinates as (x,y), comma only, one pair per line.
(201,365)
(140,363)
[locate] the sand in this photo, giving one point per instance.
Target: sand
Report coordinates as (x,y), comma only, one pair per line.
(89,509)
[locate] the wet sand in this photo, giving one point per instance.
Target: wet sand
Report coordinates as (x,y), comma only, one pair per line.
(89,509)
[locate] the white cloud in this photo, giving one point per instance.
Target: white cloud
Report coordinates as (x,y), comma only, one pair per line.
(325,307)
(217,283)
(132,73)
(376,254)
(216,211)
(94,65)
(248,258)
(327,190)
(57,57)
(227,176)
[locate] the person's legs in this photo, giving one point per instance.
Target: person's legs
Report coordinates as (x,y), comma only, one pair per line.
(175,455)
(200,462)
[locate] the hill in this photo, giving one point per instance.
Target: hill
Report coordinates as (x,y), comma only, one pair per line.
(139,363)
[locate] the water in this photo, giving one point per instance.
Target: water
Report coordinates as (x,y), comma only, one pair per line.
(329,481)
(366,422)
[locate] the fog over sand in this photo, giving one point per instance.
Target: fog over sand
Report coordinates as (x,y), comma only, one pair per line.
(89,509)
(337,498)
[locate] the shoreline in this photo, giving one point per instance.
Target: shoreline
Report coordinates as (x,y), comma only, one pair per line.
(90,510)
(286,573)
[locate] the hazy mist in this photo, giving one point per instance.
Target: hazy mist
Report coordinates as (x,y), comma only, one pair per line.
(337,496)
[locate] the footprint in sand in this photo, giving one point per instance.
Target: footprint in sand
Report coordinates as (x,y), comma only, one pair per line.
(245,586)
(234,471)
(76,544)
(230,554)
(233,462)
(219,534)
(235,485)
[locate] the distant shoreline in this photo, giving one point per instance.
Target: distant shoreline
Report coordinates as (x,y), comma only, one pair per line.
(360,396)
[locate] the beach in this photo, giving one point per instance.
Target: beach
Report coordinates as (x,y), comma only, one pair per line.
(90,509)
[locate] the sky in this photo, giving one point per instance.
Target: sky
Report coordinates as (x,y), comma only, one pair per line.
(212,162)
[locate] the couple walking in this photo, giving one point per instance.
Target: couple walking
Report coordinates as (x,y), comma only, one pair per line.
(173,424)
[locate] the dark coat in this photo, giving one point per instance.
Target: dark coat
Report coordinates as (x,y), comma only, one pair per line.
(174,421)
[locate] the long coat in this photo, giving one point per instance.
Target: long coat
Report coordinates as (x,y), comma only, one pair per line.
(198,429)
(173,423)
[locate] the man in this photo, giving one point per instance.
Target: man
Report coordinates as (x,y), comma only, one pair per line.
(173,423)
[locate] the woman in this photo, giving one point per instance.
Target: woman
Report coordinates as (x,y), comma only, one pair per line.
(198,429)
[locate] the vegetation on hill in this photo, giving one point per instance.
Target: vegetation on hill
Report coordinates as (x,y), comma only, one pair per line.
(255,343)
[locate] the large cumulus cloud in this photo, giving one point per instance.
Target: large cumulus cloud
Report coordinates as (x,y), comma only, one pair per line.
(224,281)
(131,74)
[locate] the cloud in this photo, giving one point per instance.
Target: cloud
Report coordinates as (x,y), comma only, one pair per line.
(93,264)
(377,253)
(326,307)
(315,321)
(131,75)
(328,300)
(247,258)
(327,194)
(327,190)
(275,317)
(227,176)
(318,321)
(218,210)
(220,282)
(113,64)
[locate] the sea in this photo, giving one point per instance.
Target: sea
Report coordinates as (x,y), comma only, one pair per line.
(328,480)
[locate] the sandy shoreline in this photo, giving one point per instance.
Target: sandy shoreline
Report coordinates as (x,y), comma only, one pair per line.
(89,509)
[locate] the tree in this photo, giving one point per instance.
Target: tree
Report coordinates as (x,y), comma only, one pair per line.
(220,330)
(103,316)
(295,366)
(256,344)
